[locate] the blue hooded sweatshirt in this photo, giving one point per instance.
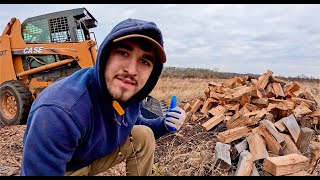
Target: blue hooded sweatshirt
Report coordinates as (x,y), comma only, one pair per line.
(72,122)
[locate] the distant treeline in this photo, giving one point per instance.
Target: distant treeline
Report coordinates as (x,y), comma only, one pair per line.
(178,72)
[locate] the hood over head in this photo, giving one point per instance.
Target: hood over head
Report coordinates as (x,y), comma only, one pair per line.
(130,28)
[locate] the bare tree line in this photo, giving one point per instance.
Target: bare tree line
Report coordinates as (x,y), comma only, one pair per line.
(178,72)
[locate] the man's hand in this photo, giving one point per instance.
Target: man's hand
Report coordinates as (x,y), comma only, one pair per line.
(175,116)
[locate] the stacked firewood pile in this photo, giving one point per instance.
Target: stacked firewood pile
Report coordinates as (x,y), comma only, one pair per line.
(266,120)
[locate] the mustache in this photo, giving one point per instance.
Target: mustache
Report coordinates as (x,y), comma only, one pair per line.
(127,76)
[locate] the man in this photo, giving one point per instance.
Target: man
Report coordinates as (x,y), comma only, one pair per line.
(91,120)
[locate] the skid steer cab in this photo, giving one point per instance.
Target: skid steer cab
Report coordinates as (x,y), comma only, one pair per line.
(38,52)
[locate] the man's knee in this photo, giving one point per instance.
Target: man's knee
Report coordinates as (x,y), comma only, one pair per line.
(143,135)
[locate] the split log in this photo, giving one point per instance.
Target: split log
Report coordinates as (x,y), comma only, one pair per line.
(271,143)
(207,105)
(222,156)
(216,96)
(242,121)
(273,131)
(187,107)
(301,110)
(278,89)
(289,94)
(295,86)
(280,125)
(207,92)
(263,112)
(212,83)
(304,139)
(255,93)
(251,107)
(213,122)
(315,152)
(232,134)
(269,91)
(291,123)
(282,104)
(217,110)
(311,104)
(234,108)
(271,106)
(277,80)
(240,92)
(260,101)
(300,173)
(196,105)
(238,148)
(308,96)
(263,80)
(257,146)
(290,147)
(194,117)
(244,100)
(315,113)
(245,164)
(283,165)
(230,82)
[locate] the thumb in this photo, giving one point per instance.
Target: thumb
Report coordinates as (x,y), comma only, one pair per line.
(173,102)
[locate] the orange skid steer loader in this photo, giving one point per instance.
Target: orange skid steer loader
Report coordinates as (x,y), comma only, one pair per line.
(38,52)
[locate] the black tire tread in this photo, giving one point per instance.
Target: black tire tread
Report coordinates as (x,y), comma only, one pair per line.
(26,97)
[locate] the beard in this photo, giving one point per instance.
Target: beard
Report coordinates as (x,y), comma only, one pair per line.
(118,92)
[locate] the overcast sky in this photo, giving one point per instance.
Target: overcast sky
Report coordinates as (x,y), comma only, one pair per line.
(241,38)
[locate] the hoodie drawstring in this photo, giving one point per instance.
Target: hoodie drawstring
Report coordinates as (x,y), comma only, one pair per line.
(130,138)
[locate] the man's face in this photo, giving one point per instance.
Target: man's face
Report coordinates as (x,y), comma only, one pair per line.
(128,69)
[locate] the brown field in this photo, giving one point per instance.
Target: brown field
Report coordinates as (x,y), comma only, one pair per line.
(187,153)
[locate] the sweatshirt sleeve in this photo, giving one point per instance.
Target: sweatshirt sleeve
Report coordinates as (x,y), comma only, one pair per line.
(157,125)
(50,139)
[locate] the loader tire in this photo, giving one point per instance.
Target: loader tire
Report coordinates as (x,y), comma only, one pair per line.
(15,103)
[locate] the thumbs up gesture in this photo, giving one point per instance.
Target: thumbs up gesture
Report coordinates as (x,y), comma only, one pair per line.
(175,116)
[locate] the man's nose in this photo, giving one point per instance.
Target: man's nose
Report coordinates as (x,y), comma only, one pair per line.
(131,66)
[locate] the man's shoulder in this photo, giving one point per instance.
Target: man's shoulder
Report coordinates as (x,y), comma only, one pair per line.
(65,92)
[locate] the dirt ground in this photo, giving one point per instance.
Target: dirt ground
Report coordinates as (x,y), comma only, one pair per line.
(190,152)
(172,152)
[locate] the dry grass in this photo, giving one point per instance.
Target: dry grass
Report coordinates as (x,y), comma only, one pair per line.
(185,89)
(191,88)
(189,152)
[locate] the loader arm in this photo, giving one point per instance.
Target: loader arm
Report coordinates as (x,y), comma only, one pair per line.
(74,50)
(7,30)
(38,52)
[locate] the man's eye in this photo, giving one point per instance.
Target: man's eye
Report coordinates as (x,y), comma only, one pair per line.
(124,53)
(146,62)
